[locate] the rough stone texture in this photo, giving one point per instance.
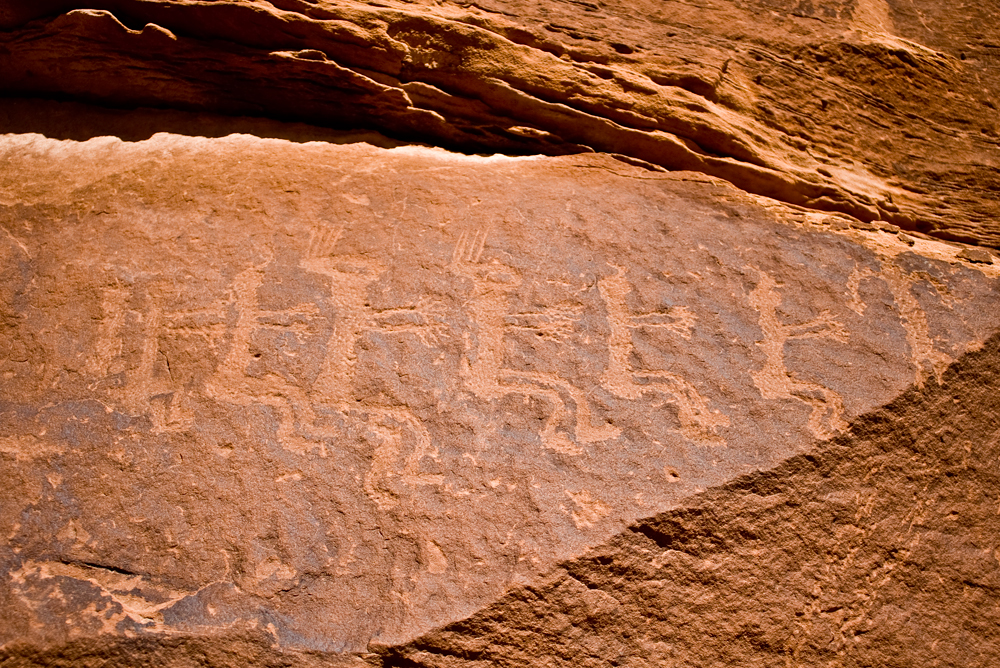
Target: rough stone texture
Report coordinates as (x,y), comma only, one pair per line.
(882,109)
(346,394)
(877,549)
(315,395)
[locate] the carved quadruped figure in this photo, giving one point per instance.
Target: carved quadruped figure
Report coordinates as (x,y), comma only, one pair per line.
(482,368)
(774,380)
(924,356)
(232,384)
(399,438)
(698,421)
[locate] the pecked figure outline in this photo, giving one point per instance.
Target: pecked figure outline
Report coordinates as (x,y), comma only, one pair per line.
(481,367)
(774,380)
(400,440)
(390,429)
(698,422)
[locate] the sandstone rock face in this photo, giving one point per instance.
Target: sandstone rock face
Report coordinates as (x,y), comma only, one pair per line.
(364,401)
(885,110)
(272,401)
(860,553)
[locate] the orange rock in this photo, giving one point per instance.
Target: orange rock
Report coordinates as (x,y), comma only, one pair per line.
(512,333)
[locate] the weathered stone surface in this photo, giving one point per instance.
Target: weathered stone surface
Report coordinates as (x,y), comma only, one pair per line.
(877,549)
(340,395)
(349,389)
(882,109)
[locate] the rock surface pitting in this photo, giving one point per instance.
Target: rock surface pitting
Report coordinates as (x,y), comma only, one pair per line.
(293,402)
(364,399)
(884,110)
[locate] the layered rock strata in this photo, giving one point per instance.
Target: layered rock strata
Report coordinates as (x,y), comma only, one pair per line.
(499,333)
(881,110)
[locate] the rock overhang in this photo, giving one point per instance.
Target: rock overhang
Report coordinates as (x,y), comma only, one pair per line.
(815,108)
(329,397)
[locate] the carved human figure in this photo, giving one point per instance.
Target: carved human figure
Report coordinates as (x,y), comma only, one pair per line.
(151,384)
(392,428)
(698,421)
(774,380)
(482,369)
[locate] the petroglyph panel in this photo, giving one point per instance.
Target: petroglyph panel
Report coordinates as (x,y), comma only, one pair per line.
(371,395)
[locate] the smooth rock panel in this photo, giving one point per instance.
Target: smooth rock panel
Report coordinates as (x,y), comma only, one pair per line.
(338,395)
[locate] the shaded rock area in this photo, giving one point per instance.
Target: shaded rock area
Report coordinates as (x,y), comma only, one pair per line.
(499,333)
(881,109)
(876,549)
